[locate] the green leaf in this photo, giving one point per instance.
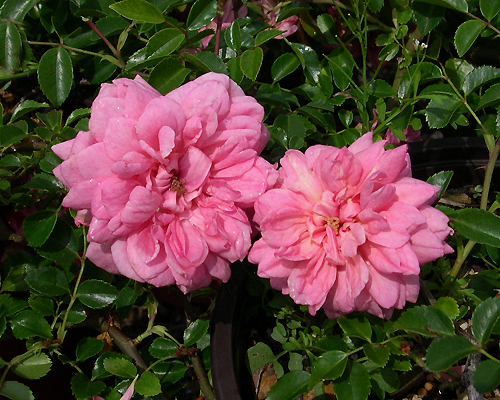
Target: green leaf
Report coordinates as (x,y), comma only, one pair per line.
(448,306)
(342,64)
(162,348)
(484,318)
(49,281)
(168,75)
(264,36)
(83,388)
(163,43)
(377,354)
(446,351)
(120,367)
(440,109)
(171,371)
(27,324)
(457,69)
(284,65)
(292,8)
(148,384)
(479,77)
(15,10)
(195,331)
(459,5)
(380,88)
(34,367)
(425,320)
(486,378)
(441,179)
(491,97)
(43,305)
(96,294)
(259,355)
(77,114)
(88,347)
(233,36)
(10,47)
(329,365)
(375,5)
(44,181)
(201,14)
(478,225)
(26,107)
(55,75)
(356,326)
(10,134)
(207,61)
(489,8)
(389,52)
(289,386)
(466,35)
(309,60)
(328,27)
(250,62)
(38,226)
(16,391)
(138,10)
(354,384)
(62,244)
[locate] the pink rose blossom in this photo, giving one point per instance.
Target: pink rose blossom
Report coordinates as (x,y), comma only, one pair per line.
(411,136)
(270,12)
(347,229)
(164,182)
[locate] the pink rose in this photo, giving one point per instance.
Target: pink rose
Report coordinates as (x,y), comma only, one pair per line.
(347,229)
(164,182)
(270,10)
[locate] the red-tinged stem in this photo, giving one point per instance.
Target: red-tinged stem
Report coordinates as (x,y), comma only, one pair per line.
(115,52)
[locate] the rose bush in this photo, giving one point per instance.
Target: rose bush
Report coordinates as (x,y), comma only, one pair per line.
(347,229)
(163,182)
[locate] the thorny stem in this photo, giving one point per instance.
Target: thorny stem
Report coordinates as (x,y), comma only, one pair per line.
(218,18)
(205,387)
(116,52)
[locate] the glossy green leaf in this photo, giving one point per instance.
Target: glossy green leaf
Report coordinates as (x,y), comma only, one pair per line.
(328,27)
(309,60)
(354,384)
(62,245)
(440,109)
(389,52)
(478,225)
(96,294)
(284,65)
(77,115)
(138,10)
(375,5)
(55,75)
(44,181)
(49,281)
(235,73)
(250,62)
(376,353)
(329,365)
(289,386)
(446,351)
(120,367)
(15,10)
(259,355)
(10,46)
(148,384)
(486,378)
(88,347)
(417,74)
(168,75)
(170,371)
(356,326)
(425,320)
(441,179)
(466,35)
(491,97)
(34,367)
(341,64)
(16,391)
(38,226)
(484,318)
(448,306)
(162,348)
(489,8)
(10,134)
(292,8)
(457,69)
(26,107)
(380,88)
(207,61)
(459,5)
(27,324)
(386,378)
(233,36)
(195,331)
(42,305)
(478,77)
(201,14)
(164,42)
(83,388)
(264,36)
(99,372)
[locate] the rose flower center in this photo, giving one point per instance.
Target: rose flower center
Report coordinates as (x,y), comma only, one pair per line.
(334,223)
